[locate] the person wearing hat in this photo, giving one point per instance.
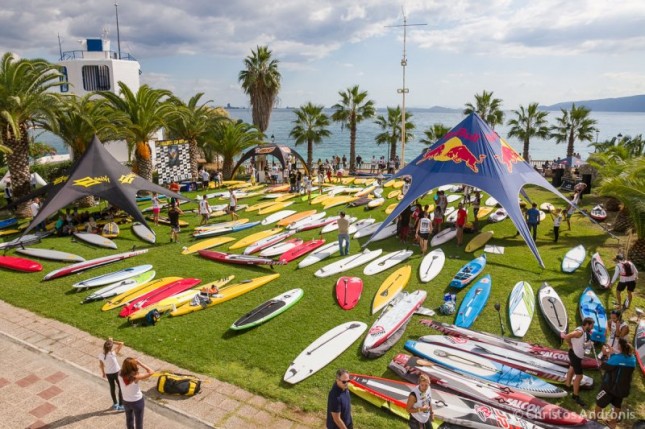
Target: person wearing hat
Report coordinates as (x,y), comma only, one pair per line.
(627,275)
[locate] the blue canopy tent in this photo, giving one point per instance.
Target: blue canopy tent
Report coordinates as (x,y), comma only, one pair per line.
(475,155)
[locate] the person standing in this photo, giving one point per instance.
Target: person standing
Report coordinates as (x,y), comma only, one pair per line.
(627,275)
(419,404)
(557,220)
(359,162)
(254,173)
(442,201)
(8,192)
(206,178)
(173,218)
(617,328)
(321,179)
(437,221)
(406,186)
(298,181)
(133,401)
(569,215)
(110,370)
(34,207)
(373,164)
(339,405)
(156,208)
(232,205)
(533,219)
(307,185)
(462,216)
(343,234)
(204,210)
(578,341)
(424,228)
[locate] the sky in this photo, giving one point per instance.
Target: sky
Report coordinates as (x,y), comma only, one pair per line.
(544,51)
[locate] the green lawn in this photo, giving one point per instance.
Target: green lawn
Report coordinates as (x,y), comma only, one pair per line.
(257,359)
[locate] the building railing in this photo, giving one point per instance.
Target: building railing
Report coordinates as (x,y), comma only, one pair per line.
(80,54)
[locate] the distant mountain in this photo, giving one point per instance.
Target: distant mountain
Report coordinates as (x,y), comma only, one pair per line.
(634,103)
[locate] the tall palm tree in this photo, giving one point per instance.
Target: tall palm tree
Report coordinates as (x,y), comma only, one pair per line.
(391,126)
(434,133)
(261,82)
(310,127)
(26,99)
(144,113)
(354,107)
(487,107)
(229,139)
(528,123)
(574,124)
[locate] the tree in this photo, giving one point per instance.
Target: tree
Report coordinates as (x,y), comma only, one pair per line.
(229,139)
(528,123)
(354,107)
(488,108)
(391,126)
(574,124)
(143,114)
(261,82)
(434,133)
(310,127)
(26,99)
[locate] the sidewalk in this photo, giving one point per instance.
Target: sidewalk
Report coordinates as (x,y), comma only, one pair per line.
(49,378)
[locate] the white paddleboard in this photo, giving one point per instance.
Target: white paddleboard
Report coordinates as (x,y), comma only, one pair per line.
(386,261)
(573,259)
(490,202)
(348,263)
(367,230)
(274,217)
(521,308)
(308,219)
(360,224)
(333,226)
(145,234)
(120,287)
(268,241)
(324,350)
(319,254)
(431,265)
(443,237)
(113,277)
(280,248)
(452,198)
(387,232)
(498,215)
(52,255)
(95,240)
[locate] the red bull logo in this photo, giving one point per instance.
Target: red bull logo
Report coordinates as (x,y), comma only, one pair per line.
(508,156)
(454,150)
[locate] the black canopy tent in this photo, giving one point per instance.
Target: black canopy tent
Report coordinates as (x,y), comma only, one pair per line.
(281,152)
(97,173)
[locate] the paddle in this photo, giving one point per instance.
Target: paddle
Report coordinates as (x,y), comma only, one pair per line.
(501,323)
(555,311)
(431,262)
(386,290)
(345,300)
(444,354)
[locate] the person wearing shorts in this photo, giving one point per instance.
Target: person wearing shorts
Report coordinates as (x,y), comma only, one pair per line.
(462,216)
(156,208)
(204,210)
(424,228)
(627,275)
(578,340)
(438,218)
(232,206)
(173,217)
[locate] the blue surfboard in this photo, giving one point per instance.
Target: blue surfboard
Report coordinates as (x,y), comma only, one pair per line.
(474,302)
(244,226)
(590,306)
(468,272)
(6,223)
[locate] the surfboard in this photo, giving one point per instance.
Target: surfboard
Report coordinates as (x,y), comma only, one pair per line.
(390,287)
(267,242)
(280,248)
(348,263)
(295,217)
(274,217)
(468,272)
(274,207)
(157,295)
(24,265)
(553,309)
(483,212)
(387,232)
(318,255)
(591,306)
(333,225)
(547,207)
(95,239)
(136,291)
(120,287)
(521,307)
(285,197)
(431,265)
(573,259)
(250,239)
(232,258)
(50,254)
(141,231)
(303,248)
(377,202)
(367,230)
(386,262)
(499,215)
(268,310)
(337,201)
(206,244)
(6,223)
(599,271)
(224,230)
(306,220)
(491,202)
(92,263)
(473,302)
(478,241)
(639,344)
(348,292)
(113,277)
(259,206)
(443,237)
(219,225)
(389,209)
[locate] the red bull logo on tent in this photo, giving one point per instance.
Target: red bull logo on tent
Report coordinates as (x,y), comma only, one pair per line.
(454,150)
(508,156)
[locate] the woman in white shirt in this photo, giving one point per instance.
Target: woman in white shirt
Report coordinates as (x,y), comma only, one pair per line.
(419,404)
(133,401)
(110,370)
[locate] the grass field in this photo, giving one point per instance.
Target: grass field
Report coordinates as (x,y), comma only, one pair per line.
(257,359)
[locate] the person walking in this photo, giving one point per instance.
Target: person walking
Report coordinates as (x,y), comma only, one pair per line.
(616,382)
(110,368)
(419,404)
(570,212)
(533,219)
(133,401)
(578,341)
(339,405)
(627,275)
(204,210)
(557,220)
(343,234)
(173,218)
(232,205)
(156,208)
(424,229)
(460,223)
(307,186)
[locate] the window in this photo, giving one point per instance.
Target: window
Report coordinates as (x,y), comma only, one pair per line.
(96,78)
(63,78)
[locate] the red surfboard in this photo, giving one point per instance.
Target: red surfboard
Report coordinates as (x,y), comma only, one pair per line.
(20,264)
(348,292)
(157,295)
(298,251)
(233,258)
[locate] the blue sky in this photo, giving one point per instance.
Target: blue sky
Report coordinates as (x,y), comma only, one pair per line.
(545,51)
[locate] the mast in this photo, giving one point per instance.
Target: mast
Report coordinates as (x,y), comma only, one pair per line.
(118,35)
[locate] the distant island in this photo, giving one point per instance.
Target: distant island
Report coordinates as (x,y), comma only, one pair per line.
(634,103)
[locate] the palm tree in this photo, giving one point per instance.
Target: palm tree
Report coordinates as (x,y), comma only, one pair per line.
(310,127)
(144,113)
(528,123)
(391,126)
(487,107)
(26,99)
(354,107)
(261,82)
(574,124)
(229,139)
(434,133)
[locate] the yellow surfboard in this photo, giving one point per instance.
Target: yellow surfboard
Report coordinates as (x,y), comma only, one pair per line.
(232,182)
(398,184)
(275,207)
(483,212)
(248,240)
(478,241)
(320,199)
(337,201)
(259,206)
(281,188)
(391,287)
(285,197)
(295,217)
(206,244)
(391,208)
(347,180)
(393,194)
(136,292)
(389,183)
(8,232)
(249,195)
(166,221)
(220,224)
(226,294)
(239,185)
(365,192)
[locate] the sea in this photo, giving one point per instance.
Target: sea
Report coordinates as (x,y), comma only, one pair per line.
(609,125)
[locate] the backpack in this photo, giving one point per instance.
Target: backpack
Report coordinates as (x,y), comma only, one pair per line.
(178,384)
(627,267)
(151,318)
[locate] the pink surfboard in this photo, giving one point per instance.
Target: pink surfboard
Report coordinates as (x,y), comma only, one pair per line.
(20,264)
(348,292)
(157,295)
(300,250)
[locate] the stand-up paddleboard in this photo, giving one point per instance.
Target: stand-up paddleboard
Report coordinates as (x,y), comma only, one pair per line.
(274,207)
(484,212)
(95,239)
(24,265)
(268,241)
(280,248)
(286,197)
(166,221)
(348,292)
(114,277)
(473,302)
(348,263)
(204,233)
(49,254)
(319,254)
(498,215)
(393,194)
(6,223)
(431,265)
(320,199)
(360,224)
(386,262)
(333,225)
(547,207)
(142,232)
(301,249)
(324,350)
(92,263)
(396,315)
(206,244)
(490,202)
(639,344)
(319,223)
(23,240)
(232,258)
(252,238)
(387,232)
(478,241)
(367,230)
(590,306)
(157,295)
(553,309)
(268,310)
(137,291)
(221,224)
(443,237)
(573,259)
(377,202)
(306,220)
(468,272)
(296,217)
(599,272)
(274,217)
(389,209)
(598,213)
(120,287)
(259,206)
(365,192)
(484,369)
(391,287)
(558,356)
(521,307)
(336,201)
